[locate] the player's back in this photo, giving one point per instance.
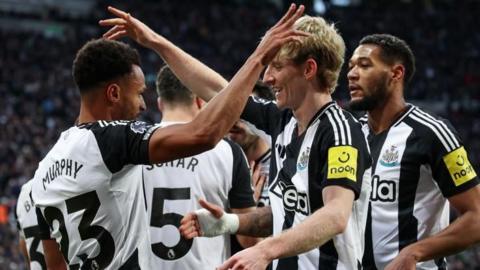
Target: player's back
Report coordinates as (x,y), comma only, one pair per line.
(28,227)
(173,188)
(92,200)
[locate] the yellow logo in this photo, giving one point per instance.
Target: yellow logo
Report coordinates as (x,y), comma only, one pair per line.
(459,166)
(342,162)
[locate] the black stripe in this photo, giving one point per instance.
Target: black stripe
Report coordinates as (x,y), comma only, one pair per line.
(442,126)
(131,263)
(335,127)
(408,182)
(345,124)
(338,119)
(368,260)
(441,263)
(439,132)
(328,256)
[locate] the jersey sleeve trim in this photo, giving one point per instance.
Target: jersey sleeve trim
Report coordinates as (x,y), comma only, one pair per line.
(340,125)
(441,131)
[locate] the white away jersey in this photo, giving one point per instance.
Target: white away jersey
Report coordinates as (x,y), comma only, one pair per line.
(332,151)
(172,189)
(417,163)
(89,195)
(28,228)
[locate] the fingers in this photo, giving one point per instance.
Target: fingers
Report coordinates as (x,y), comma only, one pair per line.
(227,264)
(189,226)
(113,31)
(212,208)
(112,22)
(290,11)
(118,12)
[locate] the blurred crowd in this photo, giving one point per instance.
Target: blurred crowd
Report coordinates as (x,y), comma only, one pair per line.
(38,98)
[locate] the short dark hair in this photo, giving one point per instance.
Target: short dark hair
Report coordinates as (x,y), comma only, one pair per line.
(101,60)
(170,89)
(262,90)
(393,49)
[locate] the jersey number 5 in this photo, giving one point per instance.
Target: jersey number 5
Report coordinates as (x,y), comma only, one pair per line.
(160,219)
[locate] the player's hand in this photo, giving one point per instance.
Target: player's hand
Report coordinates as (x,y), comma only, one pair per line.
(190,225)
(127,25)
(248,259)
(258,180)
(405,260)
(281,33)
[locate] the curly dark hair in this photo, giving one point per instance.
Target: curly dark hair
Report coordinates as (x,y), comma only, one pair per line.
(393,49)
(101,60)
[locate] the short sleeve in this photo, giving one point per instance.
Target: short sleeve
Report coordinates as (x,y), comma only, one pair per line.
(123,142)
(450,163)
(241,193)
(345,160)
(263,114)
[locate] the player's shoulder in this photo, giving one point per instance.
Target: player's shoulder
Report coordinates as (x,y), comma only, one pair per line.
(432,128)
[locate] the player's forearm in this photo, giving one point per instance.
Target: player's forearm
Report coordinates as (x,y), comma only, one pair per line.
(224,109)
(461,234)
(196,76)
(257,223)
(315,231)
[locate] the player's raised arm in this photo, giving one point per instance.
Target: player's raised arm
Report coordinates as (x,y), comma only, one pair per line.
(218,117)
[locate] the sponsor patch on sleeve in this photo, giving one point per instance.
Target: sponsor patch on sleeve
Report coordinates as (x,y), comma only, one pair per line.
(342,162)
(459,166)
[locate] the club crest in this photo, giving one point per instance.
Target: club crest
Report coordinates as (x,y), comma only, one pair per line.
(303,160)
(390,157)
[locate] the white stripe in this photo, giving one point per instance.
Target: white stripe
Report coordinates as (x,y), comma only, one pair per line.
(438,127)
(335,131)
(449,132)
(445,144)
(342,127)
(347,126)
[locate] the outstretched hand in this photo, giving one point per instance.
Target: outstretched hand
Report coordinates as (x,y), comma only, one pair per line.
(190,226)
(127,25)
(282,32)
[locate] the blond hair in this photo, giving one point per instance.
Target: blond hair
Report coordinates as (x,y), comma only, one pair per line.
(324,45)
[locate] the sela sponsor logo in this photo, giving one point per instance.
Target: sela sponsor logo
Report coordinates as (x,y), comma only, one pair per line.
(293,200)
(342,162)
(390,157)
(459,167)
(383,190)
(303,160)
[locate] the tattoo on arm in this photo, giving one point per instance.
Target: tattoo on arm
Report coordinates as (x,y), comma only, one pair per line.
(258,223)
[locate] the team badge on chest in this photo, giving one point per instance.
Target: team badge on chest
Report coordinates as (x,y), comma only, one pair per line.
(390,157)
(303,160)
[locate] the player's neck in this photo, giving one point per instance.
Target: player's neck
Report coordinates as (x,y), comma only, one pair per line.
(92,113)
(386,114)
(257,150)
(310,106)
(177,115)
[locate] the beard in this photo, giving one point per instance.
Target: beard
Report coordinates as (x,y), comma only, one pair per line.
(373,99)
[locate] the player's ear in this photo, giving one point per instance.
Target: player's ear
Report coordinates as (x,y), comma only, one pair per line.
(398,72)
(310,69)
(113,92)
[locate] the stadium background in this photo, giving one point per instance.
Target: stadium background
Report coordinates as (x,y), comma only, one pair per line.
(39,39)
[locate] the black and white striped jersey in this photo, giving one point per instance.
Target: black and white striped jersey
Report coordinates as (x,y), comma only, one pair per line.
(28,228)
(417,164)
(172,189)
(89,195)
(332,151)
